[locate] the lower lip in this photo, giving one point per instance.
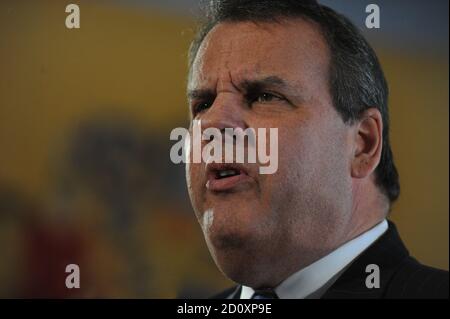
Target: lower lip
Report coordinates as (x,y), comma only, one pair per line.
(226,184)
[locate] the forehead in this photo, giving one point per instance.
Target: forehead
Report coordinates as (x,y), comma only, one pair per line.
(293,49)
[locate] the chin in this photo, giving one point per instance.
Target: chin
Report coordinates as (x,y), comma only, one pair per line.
(244,269)
(237,252)
(235,263)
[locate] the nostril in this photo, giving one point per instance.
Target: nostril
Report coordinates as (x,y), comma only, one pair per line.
(208,137)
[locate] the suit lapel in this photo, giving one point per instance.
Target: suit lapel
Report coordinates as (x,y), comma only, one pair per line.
(388,252)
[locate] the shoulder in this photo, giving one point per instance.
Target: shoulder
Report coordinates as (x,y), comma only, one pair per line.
(400,276)
(415,280)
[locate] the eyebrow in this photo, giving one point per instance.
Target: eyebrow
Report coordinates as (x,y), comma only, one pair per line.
(269,81)
(200,94)
(247,85)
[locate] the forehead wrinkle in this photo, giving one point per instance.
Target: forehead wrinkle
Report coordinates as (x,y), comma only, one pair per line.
(227,84)
(227,65)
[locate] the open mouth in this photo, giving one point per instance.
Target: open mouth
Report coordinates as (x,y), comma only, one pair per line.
(221,174)
(223,177)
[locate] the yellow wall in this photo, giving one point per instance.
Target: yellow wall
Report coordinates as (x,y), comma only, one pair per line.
(51,77)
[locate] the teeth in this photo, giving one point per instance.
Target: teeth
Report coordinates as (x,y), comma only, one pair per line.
(228,172)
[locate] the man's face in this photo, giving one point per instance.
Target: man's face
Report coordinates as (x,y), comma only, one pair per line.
(271,75)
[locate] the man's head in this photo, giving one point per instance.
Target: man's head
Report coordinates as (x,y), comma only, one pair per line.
(304,69)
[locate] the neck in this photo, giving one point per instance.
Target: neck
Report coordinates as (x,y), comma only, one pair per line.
(369,208)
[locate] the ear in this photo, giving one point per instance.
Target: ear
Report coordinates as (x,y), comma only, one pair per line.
(368,139)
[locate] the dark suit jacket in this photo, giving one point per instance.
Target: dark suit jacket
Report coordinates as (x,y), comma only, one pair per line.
(401,276)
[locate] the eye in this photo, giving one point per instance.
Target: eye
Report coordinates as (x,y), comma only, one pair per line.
(266,97)
(200,107)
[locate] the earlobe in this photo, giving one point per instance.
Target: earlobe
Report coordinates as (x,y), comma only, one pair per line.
(368,143)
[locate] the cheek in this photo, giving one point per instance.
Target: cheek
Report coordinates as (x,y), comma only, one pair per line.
(298,152)
(313,142)
(310,159)
(193,181)
(295,171)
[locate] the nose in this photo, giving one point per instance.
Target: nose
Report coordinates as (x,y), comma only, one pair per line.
(226,112)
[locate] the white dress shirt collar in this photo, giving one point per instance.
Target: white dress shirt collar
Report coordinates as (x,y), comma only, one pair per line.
(308,280)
